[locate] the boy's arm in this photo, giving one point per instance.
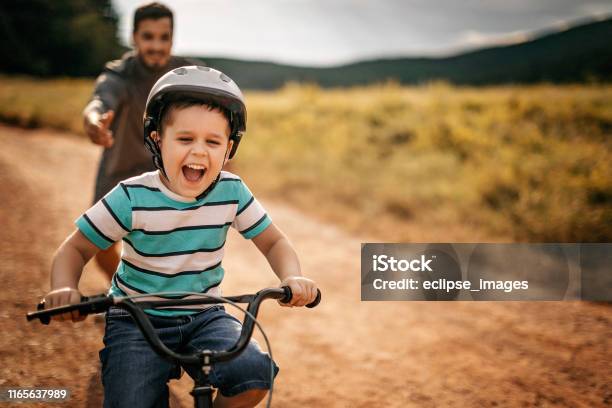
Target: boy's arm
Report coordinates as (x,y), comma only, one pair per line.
(281,256)
(66,270)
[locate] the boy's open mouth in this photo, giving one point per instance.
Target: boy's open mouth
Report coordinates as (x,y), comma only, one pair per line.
(193,172)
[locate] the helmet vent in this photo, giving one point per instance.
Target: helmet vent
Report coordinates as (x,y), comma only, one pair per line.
(201,68)
(180,71)
(225,78)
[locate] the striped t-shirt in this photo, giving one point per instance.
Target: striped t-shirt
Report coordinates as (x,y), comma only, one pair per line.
(171,243)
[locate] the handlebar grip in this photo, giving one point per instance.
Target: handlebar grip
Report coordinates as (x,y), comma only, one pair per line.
(289,296)
(46,319)
(315,302)
(88,304)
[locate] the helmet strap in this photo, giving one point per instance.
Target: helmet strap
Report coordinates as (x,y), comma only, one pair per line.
(157,157)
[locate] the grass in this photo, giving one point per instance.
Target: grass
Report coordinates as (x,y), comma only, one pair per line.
(30,102)
(433,162)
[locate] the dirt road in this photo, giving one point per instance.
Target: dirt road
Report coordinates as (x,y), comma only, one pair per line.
(346,353)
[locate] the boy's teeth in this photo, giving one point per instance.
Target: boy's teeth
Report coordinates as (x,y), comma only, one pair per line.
(196,166)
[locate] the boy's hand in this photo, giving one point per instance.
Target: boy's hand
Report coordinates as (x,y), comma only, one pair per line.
(304,291)
(61,297)
(97,128)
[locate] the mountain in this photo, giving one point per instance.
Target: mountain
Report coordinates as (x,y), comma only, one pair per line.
(579,54)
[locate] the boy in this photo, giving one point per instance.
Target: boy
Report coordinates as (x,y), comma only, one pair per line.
(173,223)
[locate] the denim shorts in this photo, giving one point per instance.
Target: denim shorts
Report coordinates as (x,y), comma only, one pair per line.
(134,375)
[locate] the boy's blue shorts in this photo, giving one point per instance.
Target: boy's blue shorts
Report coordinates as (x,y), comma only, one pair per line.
(135,376)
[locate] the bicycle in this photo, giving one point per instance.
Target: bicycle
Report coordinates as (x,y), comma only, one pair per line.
(202,391)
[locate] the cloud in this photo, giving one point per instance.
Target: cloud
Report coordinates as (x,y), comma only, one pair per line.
(473,38)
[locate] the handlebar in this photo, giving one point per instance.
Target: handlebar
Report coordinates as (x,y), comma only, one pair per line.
(101,303)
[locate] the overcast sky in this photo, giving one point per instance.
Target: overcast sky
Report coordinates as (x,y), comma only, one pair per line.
(330,32)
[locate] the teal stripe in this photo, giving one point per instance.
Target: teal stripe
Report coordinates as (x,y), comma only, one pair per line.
(258,229)
(142,197)
(152,283)
(115,291)
(115,217)
(178,241)
(156,312)
(224,191)
(121,207)
(85,227)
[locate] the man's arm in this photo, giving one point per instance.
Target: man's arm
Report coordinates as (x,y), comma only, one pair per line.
(281,256)
(99,113)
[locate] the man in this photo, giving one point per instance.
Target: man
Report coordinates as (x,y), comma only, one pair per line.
(113,117)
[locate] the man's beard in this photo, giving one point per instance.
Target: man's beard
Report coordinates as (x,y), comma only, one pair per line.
(154,65)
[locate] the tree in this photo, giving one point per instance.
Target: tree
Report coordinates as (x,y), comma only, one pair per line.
(60,37)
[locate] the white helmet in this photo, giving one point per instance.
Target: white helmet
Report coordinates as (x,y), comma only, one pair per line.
(194,82)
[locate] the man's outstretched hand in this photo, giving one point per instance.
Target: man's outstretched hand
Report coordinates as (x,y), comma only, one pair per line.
(97,128)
